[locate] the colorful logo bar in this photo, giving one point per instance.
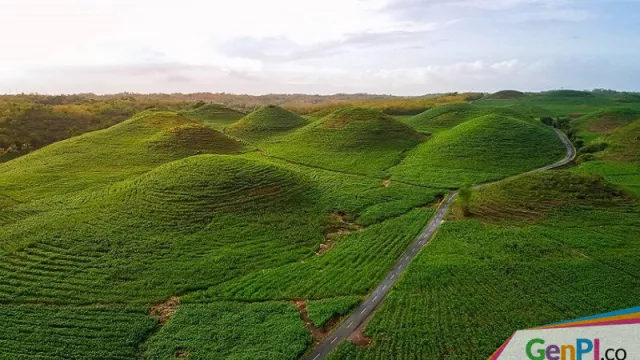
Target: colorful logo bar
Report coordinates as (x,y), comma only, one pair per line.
(610,336)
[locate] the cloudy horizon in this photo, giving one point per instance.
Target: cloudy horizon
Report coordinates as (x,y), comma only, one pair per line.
(401,47)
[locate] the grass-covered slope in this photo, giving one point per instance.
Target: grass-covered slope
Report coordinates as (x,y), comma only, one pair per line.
(606,120)
(624,143)
(479,150)
(214,115)
(506,94)
(197,221)
(100,158)
(265,122)
(39,332)
(611,145)
(477,281)
(356,140)
(447,116)
(535,196)
(266,330)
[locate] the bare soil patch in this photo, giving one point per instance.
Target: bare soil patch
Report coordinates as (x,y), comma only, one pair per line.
(339,224)
(318,334)
(165,310)
(181,354)
(358,338)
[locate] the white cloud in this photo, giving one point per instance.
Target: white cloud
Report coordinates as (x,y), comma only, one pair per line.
(255,46)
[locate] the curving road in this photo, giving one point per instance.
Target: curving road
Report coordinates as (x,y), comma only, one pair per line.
(375,298)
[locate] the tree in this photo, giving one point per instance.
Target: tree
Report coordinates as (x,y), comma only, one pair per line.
(547,120)
(465,198)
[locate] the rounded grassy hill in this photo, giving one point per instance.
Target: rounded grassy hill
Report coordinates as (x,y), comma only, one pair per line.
(217,116)
(132,147)
(481,149)
(265,122)
(356,140)
(447,116)
(507,94)
(205,185)
(606,120)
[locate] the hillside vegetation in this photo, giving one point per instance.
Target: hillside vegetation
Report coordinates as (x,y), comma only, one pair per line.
(479,150)
(447,116)
(214,115)
(355,140)
(199,232)
(506,94)
(478,281)
(266,122)
(564,103)
(96,159)
(606,120)
(26,126)
(609,145)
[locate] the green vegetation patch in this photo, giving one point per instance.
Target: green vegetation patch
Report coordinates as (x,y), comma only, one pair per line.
(475,283)
(606,120)
(447,116)
(321,311)
(507,94)
(198,138)
(265,122)
(224,330)
(36,332)
(626,175)
(482,149)
(355,140)
(100,158)
(216,116)
(531,197)
(365,255)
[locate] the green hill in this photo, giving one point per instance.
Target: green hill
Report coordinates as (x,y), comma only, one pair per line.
(624,143)
(266,122)
(507,94)
(195,137)
(533,196)
(216,116)
(481,149)
(447,116)
(205,218)
(485,273)
(132,147)
(606,120)
(358,140)
(612,146)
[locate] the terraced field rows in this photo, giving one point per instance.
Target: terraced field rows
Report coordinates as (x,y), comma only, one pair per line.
(64,333)
(365,255)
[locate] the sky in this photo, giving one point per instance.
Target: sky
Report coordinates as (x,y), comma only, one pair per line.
(402,47)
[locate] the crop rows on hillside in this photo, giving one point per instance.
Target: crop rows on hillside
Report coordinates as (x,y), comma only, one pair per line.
(477,282)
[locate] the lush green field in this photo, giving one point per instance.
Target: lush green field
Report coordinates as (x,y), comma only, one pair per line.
(564,102)
(70,210)
(266,122)
(447,116)
(266,331)
(213,115)
(354,140)
(239,216)
(610,140)
(37,332)
(321,311)
(538,249)
(478,150)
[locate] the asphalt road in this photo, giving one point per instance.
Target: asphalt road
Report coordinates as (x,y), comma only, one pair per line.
(375,298)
